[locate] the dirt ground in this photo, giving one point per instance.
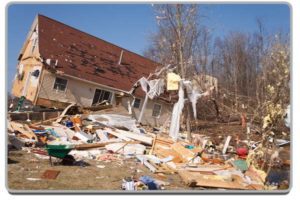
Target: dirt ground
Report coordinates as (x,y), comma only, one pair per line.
(22,166)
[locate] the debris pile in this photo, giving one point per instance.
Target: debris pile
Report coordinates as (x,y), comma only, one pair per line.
(230,164)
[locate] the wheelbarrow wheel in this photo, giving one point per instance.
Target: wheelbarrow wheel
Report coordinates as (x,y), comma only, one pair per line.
(68,160)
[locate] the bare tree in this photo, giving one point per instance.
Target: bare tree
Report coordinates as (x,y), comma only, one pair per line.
(176,41)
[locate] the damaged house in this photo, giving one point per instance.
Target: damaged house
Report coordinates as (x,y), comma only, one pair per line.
(59,65)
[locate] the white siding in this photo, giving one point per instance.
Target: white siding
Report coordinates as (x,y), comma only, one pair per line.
(77,91)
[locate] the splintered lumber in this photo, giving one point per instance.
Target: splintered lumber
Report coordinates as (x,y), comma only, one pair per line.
(185,154)
(194,179)
(142,138)
(64,112)
(165,141)
(153,145)
(97,145)
(162,153)
(207,168)
(24,129)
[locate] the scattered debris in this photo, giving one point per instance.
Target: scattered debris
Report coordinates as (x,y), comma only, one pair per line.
(50,174)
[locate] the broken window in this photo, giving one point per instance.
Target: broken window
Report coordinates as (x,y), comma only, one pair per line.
(101,96)
(156,110)
(137,103)
(60,84)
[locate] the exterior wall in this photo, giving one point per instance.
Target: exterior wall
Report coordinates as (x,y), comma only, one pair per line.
(28,85)
(76,91)
(148,119)
(82,93)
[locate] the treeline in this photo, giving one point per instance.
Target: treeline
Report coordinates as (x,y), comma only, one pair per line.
(253,68)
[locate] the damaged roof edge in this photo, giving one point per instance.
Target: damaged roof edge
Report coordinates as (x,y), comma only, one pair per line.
(34,24)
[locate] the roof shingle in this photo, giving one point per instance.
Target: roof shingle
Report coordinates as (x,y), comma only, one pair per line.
(87,57)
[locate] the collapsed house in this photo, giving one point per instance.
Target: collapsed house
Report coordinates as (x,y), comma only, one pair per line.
(59,65)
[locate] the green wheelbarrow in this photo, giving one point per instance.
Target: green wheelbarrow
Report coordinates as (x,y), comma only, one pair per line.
(60,151)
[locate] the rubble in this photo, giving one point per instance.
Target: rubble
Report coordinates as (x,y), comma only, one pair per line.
(222,162)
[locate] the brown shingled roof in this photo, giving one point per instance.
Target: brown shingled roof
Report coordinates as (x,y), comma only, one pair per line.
(87,57)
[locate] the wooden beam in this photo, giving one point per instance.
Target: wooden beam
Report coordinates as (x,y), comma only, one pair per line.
(118,135)
(139,137)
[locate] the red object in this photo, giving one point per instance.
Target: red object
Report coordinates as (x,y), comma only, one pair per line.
(242,152)
(90,58)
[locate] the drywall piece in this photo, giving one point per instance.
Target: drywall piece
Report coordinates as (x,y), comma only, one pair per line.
(127,148)
(102,135)
(144,161)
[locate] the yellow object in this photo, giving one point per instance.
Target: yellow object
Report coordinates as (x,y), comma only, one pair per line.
(89,126)
(173,81)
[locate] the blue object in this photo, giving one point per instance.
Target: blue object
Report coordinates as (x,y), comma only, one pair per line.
(241,165)
(189,146)
(69,124)
(52,132)
(150,182)
(40,132)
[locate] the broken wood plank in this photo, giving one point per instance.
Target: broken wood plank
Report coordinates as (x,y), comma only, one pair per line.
(168,152)
(194,179)
(96,145)
(64,112)
(185,154)
(118,135)
(207,168)
(142,138)
(153,145)
(24,129)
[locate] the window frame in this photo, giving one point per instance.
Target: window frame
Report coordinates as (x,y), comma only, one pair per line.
(57,90)
(101,95)
(158,116)
(133,105)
